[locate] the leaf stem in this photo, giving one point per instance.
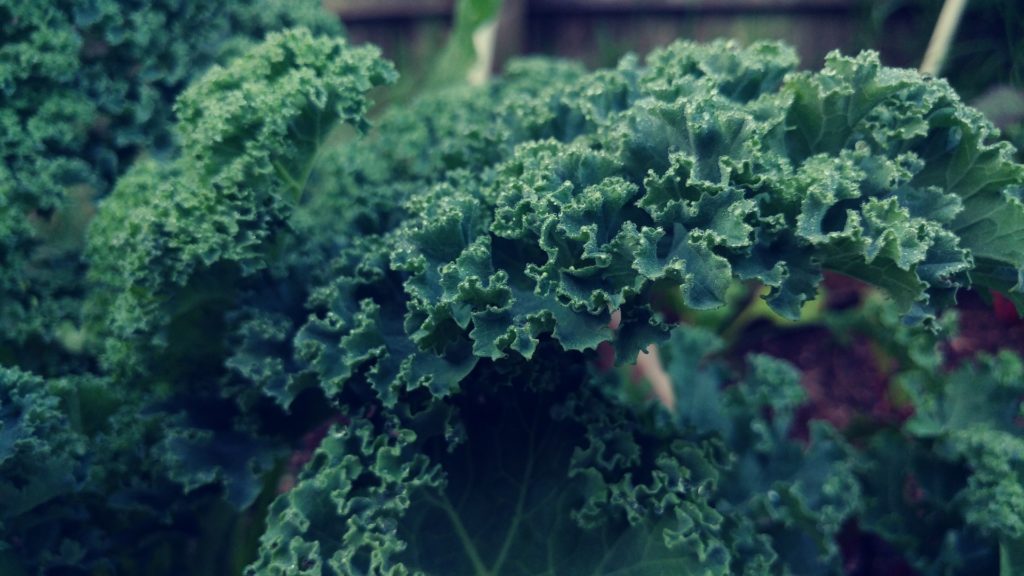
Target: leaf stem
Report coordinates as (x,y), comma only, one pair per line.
(283,174)
(942,36)
(460,530)
(520,503)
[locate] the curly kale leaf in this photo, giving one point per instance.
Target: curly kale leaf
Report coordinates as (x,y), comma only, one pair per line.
(41,455)
(270,110)
(174,238)
(536,467)
(67,446)
(799,493)
(962,176)
(631,180)
(516,476)
(94,480)
(85,88)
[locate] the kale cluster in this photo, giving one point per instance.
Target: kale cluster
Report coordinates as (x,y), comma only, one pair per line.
(308,343)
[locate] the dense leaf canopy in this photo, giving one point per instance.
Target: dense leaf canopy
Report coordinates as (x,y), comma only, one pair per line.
(432,289)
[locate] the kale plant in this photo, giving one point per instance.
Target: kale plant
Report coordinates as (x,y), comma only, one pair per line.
(420,312)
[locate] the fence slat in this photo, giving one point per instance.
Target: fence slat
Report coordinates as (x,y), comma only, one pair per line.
(410,9)
(640,6)
(389,9)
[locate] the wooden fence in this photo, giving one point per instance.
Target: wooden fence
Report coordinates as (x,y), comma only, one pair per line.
(599,32)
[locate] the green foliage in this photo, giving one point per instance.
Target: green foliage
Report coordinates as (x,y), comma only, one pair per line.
(952,473)
(670,176)
(534,469)
(86,86)
(250,137)
(420,312)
